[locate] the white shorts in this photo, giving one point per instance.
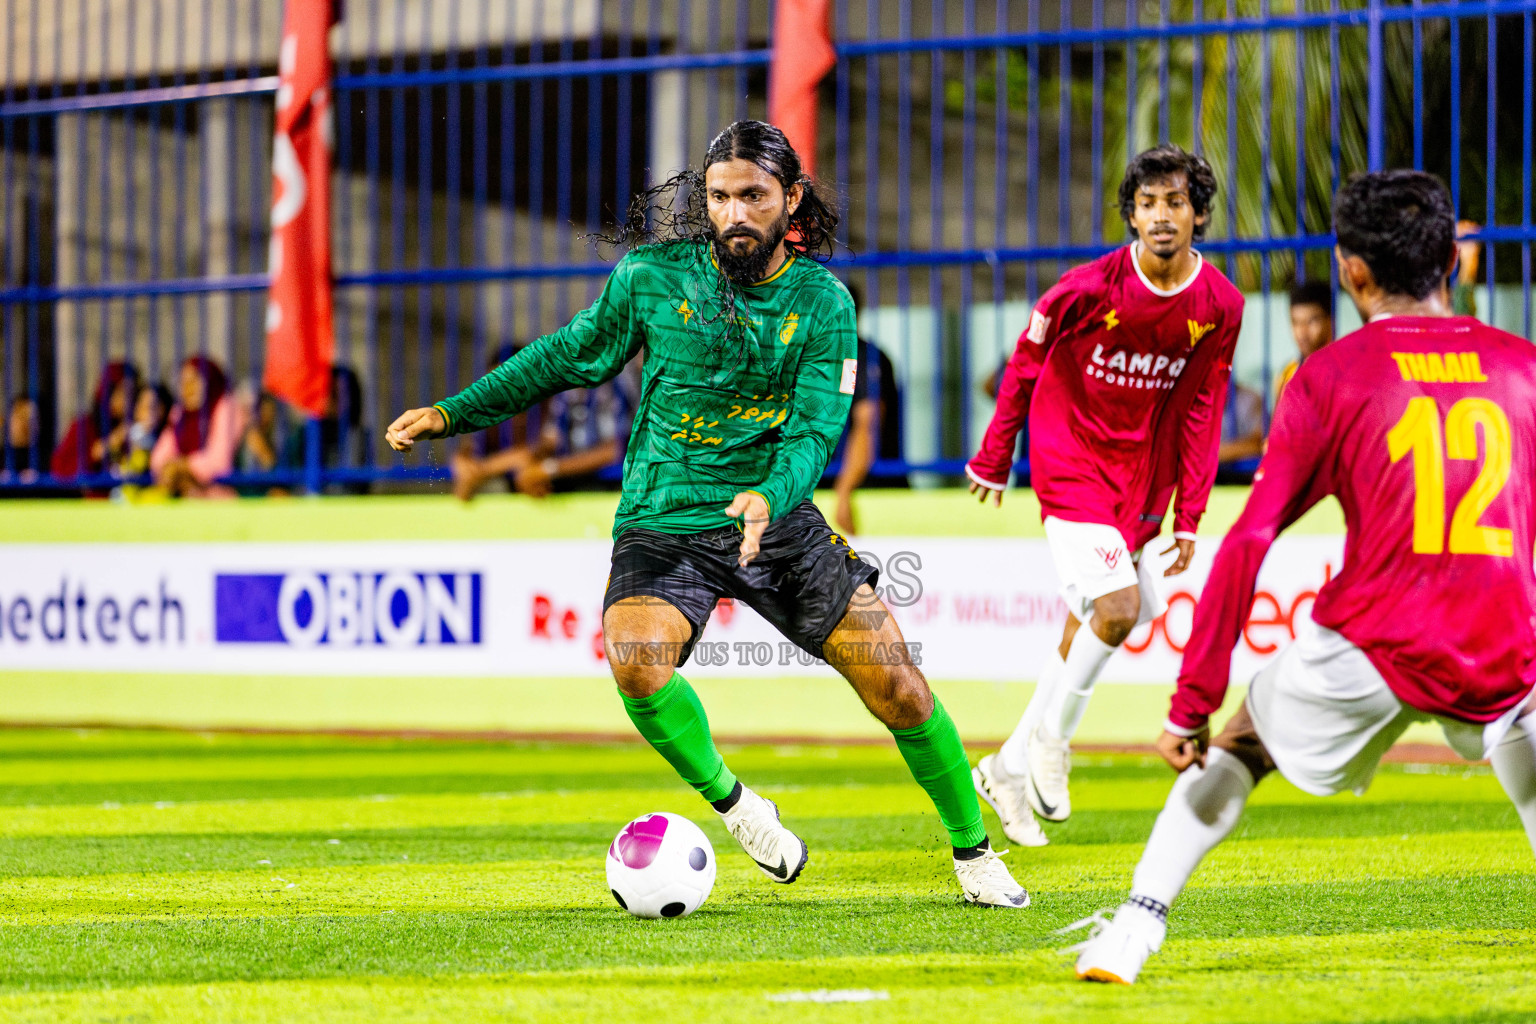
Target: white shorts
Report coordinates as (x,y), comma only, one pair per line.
(1326,715)
(1091,561)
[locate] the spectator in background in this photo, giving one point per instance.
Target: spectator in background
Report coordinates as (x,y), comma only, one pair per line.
(21,460)
(341,428)
(263,439)
(341,431)
(874,427)
(503,450)
(151,408)
(585,431)
(197,446)
(1242,433)
(1242,426)
(98,437)
(264,444)
(1311,325)
(1469,254)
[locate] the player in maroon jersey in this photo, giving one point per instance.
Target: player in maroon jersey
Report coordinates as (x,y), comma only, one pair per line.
(1423,424)
(1122,372)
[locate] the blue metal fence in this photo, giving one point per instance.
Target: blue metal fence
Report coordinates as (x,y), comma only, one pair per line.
(974,149)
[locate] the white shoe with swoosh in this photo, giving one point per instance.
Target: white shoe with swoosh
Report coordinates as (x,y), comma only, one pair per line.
(754,822)
(985,880)
(1050,767)
(1007,794)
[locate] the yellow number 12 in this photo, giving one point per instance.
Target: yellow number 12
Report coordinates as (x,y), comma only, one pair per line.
(1418,431)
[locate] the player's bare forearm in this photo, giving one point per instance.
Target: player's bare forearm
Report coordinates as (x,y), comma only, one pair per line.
(415,423)
(1182,751)
(1186,549)
(589,460)
(859,453)
(1250,447)
(508,460)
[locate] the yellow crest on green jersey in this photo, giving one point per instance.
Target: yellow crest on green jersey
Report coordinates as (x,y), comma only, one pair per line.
(791,325)
(686,310)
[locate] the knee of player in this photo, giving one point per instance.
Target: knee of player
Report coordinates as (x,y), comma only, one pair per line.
(1115,627)
(640,667)
(1115,615)
(1248,751)
(910,701)
(637,681)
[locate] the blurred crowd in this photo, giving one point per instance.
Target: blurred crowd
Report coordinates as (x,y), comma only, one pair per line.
(143,440)
(139,438)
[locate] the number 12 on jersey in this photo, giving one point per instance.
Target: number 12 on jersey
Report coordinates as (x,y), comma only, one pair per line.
(1418,432)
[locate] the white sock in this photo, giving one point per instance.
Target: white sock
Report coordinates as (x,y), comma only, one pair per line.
(1015,748)
(1202,807)
(1514,762)
(1085,660)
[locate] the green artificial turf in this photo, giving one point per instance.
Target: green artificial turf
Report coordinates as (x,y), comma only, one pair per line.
(179,877)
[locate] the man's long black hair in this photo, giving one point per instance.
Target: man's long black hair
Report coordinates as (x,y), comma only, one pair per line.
(677,211)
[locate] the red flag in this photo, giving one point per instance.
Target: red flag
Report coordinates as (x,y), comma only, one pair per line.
(301,339)
(802,56)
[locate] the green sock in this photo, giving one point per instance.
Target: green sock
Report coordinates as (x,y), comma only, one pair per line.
(938,762)
(673,721)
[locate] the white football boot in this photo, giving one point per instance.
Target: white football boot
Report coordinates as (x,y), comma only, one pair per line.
(985,880)
(1007,794)
(1050,765)
(754,822)
(1115,950)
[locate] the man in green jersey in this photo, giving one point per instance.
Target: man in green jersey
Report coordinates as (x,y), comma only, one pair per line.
(749,371)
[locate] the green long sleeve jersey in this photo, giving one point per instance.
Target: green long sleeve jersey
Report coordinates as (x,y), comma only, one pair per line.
(753,402)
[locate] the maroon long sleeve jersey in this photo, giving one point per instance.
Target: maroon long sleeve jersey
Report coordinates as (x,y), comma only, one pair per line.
(1424,428)
(1124,386)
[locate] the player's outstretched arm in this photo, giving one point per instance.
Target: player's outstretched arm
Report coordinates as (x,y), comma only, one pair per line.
(988,469)
(413,423)
(594,347)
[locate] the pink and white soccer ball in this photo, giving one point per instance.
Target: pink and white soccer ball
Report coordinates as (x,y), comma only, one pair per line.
(661,865)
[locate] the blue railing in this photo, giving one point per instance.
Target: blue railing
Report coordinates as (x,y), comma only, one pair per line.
(974,150)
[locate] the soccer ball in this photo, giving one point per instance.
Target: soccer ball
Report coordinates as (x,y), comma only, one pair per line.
(661,865)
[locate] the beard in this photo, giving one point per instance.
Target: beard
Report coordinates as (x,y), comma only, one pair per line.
(748,266)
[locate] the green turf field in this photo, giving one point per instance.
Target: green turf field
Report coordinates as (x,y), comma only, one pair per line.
(175,877)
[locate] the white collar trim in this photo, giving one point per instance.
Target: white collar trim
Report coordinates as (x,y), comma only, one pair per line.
(1154,289)
(1381,316)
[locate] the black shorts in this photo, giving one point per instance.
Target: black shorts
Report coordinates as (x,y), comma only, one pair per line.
(801,580)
